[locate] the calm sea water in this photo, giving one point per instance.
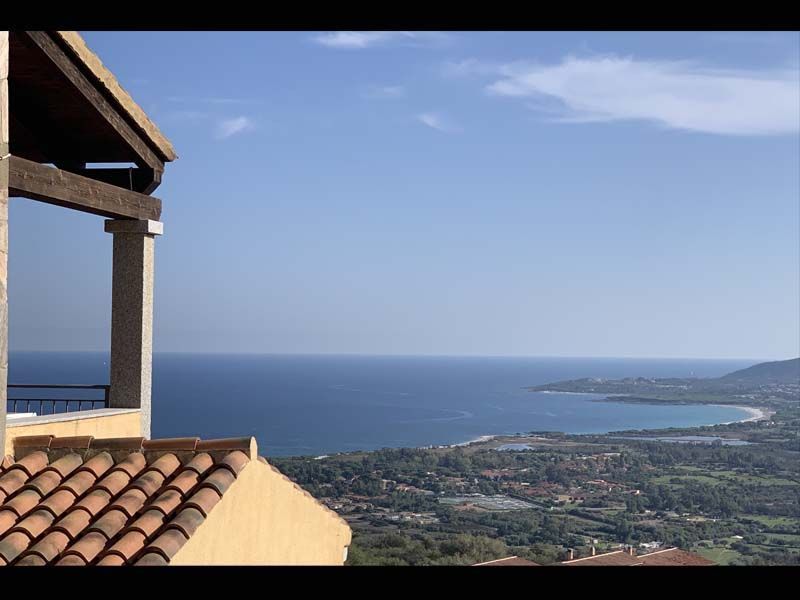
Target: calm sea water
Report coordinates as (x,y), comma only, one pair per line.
(312,405)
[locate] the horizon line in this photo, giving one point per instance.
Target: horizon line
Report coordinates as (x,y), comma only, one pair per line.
(409,355)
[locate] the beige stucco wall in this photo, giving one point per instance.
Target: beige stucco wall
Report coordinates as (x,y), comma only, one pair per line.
(266,519)
(112,423)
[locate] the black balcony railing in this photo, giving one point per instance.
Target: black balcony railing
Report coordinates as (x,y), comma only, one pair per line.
(36,403)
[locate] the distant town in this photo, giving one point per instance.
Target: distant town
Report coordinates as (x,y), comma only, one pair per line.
(727,493)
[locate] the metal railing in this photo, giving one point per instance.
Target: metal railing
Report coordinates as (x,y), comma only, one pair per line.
(13,404)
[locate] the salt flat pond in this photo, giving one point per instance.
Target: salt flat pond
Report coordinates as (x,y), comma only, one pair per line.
(686,439)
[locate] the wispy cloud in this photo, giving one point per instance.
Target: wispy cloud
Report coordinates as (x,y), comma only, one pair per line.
(675,94)
(438,122)
(367,39)
(385,91)
(230,127)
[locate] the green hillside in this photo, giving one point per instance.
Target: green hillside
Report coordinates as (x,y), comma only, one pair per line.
(782,371)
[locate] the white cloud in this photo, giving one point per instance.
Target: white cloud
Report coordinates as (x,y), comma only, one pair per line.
(438,122)
(385,91)
(230,127)
(366,39)
(676,94)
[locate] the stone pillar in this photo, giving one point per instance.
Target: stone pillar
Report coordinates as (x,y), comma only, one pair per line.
(4,155)
(132,315)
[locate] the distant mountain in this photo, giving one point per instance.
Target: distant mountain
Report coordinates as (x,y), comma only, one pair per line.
(781,371)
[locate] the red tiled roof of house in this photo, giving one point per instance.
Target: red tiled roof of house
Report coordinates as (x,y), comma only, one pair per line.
(87,501)
(509,561)
(675,557)
(618,558)
(666,558)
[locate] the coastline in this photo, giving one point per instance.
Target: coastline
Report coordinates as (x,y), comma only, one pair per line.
(757,413)
(477,440)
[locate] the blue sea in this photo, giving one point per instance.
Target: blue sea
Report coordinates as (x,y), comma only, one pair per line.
(322,404)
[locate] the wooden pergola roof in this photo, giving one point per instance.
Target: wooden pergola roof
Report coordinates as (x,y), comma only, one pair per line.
(112,87)
(68,110)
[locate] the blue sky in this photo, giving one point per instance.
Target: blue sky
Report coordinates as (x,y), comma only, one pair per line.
(481,193)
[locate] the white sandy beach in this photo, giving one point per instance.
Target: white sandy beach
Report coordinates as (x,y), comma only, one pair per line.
(756,413)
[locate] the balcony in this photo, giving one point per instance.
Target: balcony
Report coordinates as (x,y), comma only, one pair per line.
(66,410)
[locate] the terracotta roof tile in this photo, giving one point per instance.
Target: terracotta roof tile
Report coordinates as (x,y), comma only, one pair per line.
(128,545)
(79,483)
(166,464)
(220,480)
(184,482)
(12,480)
(114,482)
(187,521)
(89,546)
(94,501)
(73,523)
(35,523)
(111,560)
(44,482)
(168,543)
(7,520)
(78,442)
(166,502)
(84,500)
(13,544)
(66,464)
(130,502)
(72,560)
(225,444)
(666,557)
(149,482)
(675,557)
(188,443)
(203,500)
(51,545)
(32,463)
(200,463)
(235,461)
(31,560)
(132,464)
(110,524)
(98,464)
(26,444)
(149,522)
(151,559)
(133,444)
(607,559)
(24,501)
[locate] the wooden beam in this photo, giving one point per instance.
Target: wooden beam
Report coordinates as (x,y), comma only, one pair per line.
(147,158)
(54,186)
(140,180)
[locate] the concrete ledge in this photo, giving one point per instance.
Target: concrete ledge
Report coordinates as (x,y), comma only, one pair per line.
(145,226)
(69,416)
(100,423)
